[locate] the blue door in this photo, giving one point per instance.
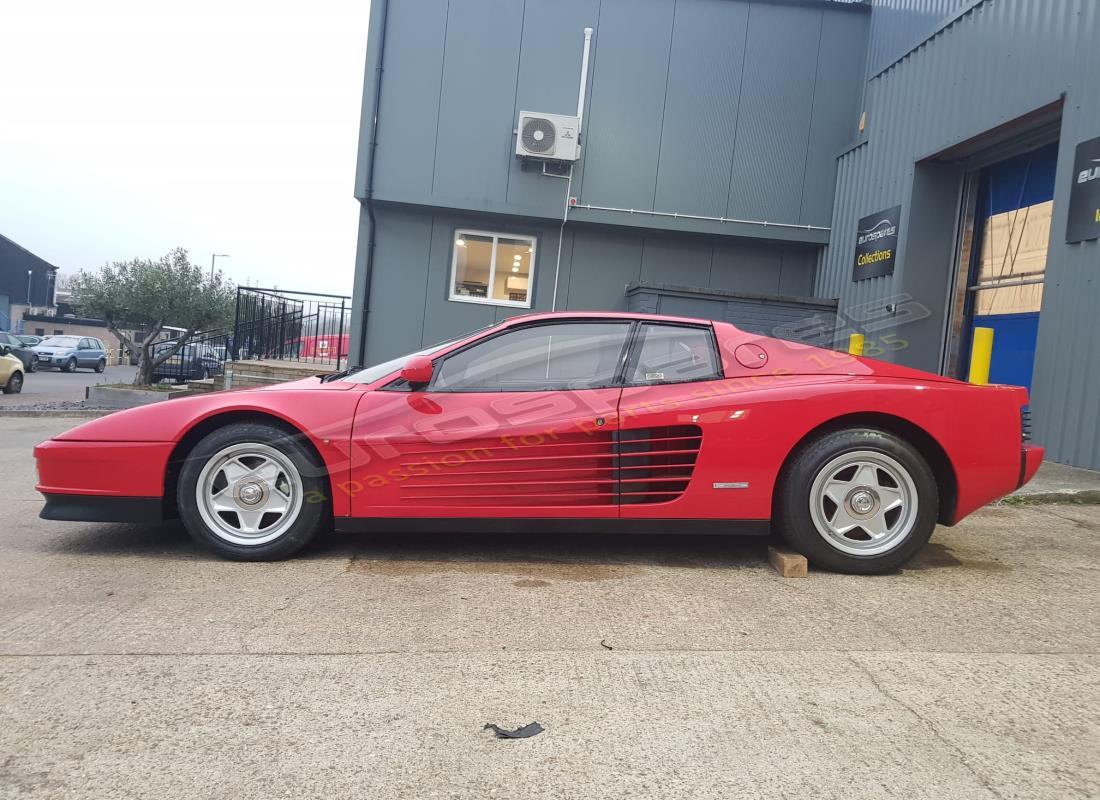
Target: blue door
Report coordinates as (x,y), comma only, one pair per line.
(1008,267)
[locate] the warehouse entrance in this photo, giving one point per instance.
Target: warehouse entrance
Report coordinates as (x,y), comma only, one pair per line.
(1004,261)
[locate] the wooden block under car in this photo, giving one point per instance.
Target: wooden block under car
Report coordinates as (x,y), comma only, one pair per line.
(788,563)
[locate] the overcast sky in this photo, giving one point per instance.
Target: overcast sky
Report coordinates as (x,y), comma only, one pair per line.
(128,128)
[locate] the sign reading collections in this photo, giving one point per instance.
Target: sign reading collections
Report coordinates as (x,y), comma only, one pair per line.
(877,244)
(1084,197)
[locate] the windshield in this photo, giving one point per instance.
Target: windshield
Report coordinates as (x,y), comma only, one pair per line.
(61,341)
(371,374)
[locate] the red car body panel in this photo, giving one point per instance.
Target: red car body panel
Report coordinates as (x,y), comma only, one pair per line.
(718,445)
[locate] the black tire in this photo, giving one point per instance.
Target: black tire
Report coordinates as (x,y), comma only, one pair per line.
(795,496)
(312,515)
(33,366)
(15,383)
(101,365)
(69,366)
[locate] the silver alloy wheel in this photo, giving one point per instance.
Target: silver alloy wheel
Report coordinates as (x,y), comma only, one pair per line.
(249,494)
(863,503)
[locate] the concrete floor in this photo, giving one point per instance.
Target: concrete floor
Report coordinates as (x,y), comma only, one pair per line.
(134,665)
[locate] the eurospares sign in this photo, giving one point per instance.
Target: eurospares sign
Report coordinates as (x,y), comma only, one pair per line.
(877,244)
(1084,198)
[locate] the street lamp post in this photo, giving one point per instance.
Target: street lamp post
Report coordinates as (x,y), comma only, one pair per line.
(212,257)
(30,274)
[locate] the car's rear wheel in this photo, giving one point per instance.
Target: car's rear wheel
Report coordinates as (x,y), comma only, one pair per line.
(15,383)
(101,365)
(861,501)
(70,366)
(252,492)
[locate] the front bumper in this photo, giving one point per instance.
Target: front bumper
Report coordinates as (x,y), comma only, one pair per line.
(107,470)
(100,508)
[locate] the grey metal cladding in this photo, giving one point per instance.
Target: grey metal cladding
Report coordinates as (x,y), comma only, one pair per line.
(603,263)
(835,116)
(769,158)
(670,114)
(700,110)
(409,104)
(623,137)
(402,251)
(998,61)
(900,25)
(474,138)
(686,259)
(549,70)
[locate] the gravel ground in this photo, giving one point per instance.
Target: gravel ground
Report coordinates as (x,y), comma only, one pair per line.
(134,665)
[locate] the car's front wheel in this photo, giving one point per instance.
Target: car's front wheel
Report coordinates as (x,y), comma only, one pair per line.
(252,492)
(860,501)
(70,365)
(15,383)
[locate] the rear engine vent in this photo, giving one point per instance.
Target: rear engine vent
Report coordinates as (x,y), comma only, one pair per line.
(655,464)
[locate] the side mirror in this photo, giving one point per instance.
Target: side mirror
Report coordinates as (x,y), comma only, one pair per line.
(417,371)
(5,350)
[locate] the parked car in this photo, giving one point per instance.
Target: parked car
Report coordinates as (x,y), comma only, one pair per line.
(68,353)
(565,422)
(12,345)
(28,339)
(11,375)
(192,363)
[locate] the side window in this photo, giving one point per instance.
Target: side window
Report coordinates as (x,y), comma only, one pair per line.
(574,355)
(673,354)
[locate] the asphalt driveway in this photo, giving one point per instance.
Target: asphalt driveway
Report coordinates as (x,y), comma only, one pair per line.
(47,386)
(134,665)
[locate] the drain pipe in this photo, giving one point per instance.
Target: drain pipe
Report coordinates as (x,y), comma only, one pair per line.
(569,182)
(364,181)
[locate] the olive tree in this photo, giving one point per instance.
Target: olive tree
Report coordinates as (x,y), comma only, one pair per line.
(148,295)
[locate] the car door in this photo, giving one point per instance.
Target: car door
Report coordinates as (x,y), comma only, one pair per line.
(9,345)
(675,422)
(520,423)
(83,348)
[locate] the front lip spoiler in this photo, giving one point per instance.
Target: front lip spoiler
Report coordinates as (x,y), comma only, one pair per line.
(98,508)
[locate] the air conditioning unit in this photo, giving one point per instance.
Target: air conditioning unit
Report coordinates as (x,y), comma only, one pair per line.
(553,137)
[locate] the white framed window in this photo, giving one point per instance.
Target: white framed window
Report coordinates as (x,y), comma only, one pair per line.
(493,268)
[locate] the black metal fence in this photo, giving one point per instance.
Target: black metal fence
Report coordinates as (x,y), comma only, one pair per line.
(272,324)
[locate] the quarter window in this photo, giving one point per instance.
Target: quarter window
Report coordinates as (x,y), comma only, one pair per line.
(553,356)
(673,354)
(492,268)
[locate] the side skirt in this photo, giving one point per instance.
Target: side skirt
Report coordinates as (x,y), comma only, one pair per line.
(738,527)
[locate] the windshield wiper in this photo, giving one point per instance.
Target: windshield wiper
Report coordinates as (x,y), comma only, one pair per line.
(342,374)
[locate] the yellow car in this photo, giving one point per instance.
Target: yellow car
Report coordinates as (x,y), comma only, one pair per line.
(11,374)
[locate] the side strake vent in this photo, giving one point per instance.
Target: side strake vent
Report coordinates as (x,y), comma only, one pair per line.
(656,464)
(1025,424)
(592,468)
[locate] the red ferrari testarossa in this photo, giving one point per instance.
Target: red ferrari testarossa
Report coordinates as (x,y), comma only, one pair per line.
(567,421)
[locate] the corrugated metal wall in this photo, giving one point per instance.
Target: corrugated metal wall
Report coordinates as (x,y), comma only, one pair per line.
(897,26)
(999,61)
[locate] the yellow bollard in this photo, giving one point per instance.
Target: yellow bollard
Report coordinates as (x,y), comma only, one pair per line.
(855,344)
(981,353)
